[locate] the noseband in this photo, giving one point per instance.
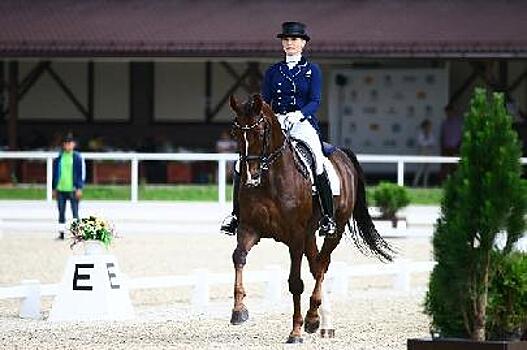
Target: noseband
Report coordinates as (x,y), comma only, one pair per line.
(266,157)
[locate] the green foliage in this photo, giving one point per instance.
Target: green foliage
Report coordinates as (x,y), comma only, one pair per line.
(390,198)
(484,196)
(507,316)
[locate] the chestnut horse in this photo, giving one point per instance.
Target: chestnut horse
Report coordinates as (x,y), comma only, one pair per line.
(276,202)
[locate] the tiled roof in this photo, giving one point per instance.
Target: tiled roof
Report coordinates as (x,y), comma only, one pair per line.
(204,28)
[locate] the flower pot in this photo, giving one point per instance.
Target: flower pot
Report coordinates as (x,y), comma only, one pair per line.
(464,344)
(94,247)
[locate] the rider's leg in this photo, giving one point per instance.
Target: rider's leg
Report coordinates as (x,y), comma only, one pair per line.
(327,223)
(305,132)
(230,223)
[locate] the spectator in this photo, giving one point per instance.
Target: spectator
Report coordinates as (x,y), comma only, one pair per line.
(425,143)
(226,144)
(451,134)
(69,173)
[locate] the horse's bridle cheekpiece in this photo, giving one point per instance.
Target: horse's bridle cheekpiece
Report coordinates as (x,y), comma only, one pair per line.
(293,30)
(265,158)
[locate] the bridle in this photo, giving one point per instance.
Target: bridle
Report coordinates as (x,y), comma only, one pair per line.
(266,157)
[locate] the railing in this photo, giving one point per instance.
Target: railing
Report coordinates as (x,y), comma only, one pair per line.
(220,158)
(31,291)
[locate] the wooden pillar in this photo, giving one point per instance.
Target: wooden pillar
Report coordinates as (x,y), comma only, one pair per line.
(13,106)
(208,90)
(141,95)
(2,89)
(253,80)
(91,90)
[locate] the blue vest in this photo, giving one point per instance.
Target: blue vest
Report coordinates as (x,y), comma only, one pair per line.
(289,90)
(78,171)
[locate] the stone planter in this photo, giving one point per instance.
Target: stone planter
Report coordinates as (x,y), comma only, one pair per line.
(464,344)
(391,228)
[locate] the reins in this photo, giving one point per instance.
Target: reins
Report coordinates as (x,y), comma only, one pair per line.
(265,158)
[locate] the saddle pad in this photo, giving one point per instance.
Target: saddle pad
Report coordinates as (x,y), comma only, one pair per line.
(328,149)
(307,158)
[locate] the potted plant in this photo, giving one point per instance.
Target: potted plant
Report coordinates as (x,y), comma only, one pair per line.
(390,198)
(485,196)
(94,232)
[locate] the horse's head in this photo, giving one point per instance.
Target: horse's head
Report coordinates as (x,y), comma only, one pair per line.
(252,128)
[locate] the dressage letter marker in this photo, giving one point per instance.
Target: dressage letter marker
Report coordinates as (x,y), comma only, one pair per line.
(92,289)
(77,277)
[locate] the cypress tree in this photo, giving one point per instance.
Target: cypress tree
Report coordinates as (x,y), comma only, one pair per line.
(483,197)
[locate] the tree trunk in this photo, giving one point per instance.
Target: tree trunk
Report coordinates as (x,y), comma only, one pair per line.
(478,332)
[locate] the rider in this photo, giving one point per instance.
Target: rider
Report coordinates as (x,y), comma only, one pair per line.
(292,88)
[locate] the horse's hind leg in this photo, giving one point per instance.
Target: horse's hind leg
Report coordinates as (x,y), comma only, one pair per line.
(312,320)
(324,259)
(246,241)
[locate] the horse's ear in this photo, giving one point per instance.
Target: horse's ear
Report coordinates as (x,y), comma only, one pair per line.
(257,104)
(234,104)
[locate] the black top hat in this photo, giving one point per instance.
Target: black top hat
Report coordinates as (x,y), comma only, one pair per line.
(293,30)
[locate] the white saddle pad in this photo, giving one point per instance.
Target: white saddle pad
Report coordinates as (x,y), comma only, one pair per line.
(334,179)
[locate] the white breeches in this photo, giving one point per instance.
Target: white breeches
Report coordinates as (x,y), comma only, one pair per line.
(302,131)
(306,132)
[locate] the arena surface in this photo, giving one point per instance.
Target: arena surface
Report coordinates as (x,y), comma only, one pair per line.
(370,317)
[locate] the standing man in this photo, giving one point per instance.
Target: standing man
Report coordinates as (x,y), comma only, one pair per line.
(451,135)
(69,173)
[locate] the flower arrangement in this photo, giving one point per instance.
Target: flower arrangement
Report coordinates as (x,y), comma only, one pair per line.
(92,228)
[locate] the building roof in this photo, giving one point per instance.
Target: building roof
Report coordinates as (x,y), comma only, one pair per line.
(208,28)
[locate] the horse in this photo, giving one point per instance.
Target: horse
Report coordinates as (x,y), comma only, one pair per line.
(276,202)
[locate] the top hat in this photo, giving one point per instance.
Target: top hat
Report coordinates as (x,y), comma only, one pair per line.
(293,30)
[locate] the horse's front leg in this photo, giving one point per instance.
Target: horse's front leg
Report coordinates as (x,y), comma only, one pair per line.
(312,320)
(246,240)
(296,287)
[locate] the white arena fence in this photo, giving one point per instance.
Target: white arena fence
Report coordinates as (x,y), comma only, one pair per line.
(337,282)
(220,158)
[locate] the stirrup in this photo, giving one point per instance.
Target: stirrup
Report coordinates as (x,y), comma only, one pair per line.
(327,226)
(229,225)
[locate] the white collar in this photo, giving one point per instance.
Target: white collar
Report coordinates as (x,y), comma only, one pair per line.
(293,60)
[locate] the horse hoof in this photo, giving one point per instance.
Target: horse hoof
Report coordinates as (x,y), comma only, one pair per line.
(311,326)
(294,340)
(327,333)
(239,317)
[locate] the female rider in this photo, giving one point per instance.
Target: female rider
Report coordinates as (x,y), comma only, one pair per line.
(292,88)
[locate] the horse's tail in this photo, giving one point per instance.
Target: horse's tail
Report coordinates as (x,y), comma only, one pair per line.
(363,226)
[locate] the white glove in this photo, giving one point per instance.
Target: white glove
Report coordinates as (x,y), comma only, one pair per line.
(294,117)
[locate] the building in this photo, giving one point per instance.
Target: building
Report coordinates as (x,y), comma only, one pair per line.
(140,72)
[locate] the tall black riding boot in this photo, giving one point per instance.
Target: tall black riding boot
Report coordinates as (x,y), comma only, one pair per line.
(327,224)
(230,223)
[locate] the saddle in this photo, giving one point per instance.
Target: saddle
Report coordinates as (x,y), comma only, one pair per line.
(305,163)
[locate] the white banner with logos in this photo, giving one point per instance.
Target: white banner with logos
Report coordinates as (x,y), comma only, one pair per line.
(379,111)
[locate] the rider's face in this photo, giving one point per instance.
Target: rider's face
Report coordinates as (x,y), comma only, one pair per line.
(293,46)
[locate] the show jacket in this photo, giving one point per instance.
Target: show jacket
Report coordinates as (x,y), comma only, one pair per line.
(79,171)
(289,90)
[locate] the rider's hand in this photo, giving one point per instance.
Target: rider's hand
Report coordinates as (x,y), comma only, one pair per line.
(295,117)
(78,194)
